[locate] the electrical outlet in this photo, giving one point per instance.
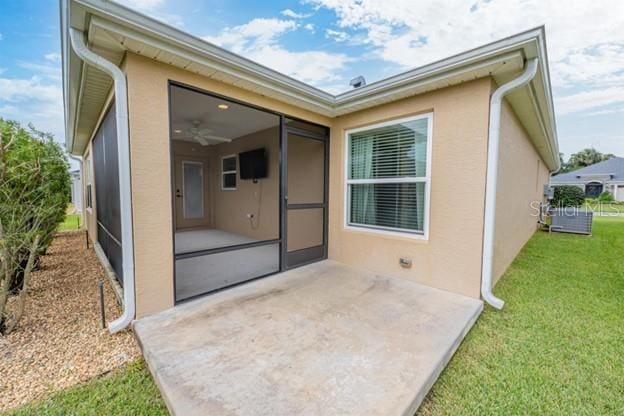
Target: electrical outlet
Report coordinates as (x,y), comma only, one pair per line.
(249,216)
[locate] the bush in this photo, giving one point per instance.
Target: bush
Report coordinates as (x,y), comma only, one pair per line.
(34,181)
(605,197)
(568,196)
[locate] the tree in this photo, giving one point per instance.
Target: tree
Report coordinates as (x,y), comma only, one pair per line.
(585,157)
(34,182)
(568,196)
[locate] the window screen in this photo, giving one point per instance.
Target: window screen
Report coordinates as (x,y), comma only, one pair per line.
(387,176)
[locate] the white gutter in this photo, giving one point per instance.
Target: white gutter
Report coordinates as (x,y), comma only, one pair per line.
(496,102)
(125,195)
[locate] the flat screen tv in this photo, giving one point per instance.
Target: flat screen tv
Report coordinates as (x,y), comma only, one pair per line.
(253,164)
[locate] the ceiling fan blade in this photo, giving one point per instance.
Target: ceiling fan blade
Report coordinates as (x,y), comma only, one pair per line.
(216,138)
(202,141)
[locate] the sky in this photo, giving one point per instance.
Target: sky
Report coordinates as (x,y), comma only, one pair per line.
(328,42)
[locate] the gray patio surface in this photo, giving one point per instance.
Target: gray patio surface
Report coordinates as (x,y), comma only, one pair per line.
(324,339)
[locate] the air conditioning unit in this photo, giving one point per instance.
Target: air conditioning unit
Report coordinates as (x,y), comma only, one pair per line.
(571,220)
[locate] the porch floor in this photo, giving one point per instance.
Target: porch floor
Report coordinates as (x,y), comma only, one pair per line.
(324,339)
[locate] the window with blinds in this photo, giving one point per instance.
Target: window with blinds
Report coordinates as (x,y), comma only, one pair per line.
(387,175)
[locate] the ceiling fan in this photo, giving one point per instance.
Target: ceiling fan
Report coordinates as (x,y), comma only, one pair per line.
(204,136)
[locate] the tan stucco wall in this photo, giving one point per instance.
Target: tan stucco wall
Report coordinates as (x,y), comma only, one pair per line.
(522,175)
(149,152)
(451,258)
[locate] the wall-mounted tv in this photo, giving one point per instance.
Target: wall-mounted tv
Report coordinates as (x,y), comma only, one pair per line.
(253,164)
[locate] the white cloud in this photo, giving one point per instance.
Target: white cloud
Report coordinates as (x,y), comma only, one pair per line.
(53,57)
(144,4)
(590,99)
(310,27)
(155,9)
(600,64)
(585,37)
(50,71)
(336,35)
(607,111)
(294,15)
(17,90)
(35,99)
(254,34)
(258,40)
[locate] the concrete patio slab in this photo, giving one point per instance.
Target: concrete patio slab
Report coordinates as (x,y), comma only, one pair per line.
(324,339)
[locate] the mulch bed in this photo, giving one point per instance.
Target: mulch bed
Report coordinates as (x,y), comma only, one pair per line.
(60,341)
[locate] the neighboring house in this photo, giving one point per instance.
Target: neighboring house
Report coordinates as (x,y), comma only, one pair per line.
(605,176)
(76,190)
(204,169)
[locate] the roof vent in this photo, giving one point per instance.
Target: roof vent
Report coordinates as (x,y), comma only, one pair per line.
(357,82)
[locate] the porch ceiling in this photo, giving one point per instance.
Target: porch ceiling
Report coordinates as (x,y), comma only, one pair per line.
(324,339)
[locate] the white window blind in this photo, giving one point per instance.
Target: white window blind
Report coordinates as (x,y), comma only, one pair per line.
(387,176)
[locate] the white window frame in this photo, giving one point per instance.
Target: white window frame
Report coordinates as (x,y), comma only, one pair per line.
(88,184)
(398,232)
(203,208)
(227,172)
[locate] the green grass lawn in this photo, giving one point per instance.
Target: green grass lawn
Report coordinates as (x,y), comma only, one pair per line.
(128,391)
(556,348)
(72,222)
(605,207)
(558,345)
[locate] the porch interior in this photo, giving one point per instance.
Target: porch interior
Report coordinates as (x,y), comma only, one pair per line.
(227,163)
(322,339)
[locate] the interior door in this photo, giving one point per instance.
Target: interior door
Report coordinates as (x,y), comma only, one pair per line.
(305,197)
(191,193)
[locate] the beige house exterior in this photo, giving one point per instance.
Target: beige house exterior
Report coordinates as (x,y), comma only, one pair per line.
(454,95)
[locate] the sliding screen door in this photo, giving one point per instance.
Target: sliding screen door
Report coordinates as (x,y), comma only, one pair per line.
(306,204)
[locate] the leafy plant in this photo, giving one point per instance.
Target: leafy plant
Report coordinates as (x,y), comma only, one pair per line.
(583,158)
(34,182)
(568,196)
(605,197)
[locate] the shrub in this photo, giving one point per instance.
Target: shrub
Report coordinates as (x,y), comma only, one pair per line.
(34,181)
(568,196)
(605,197)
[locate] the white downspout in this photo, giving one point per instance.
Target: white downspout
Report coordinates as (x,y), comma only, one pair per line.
(125,195)
(82,185)
(496,102)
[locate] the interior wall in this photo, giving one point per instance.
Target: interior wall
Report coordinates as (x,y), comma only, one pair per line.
(451,258)
(522,175)
(261,199)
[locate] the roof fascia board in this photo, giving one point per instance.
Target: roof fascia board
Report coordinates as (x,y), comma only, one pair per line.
(463,59)
(321,104)
(547,92)
(550,142)
(420,81)
(158,30)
